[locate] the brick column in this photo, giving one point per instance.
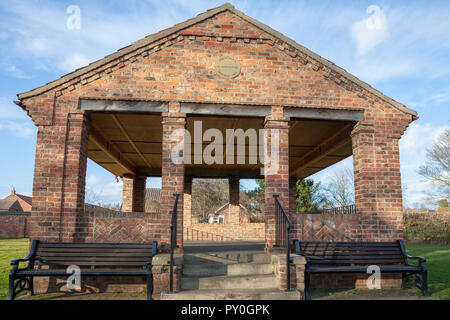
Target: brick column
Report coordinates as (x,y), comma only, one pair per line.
(187,207)
(172,172)
(293,216)
(60,178)
(139,193)
(292,197)
(276,169)
(234,209)
(378,193)
(133,194)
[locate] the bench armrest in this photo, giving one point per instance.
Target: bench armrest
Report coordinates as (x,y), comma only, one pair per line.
(421,260)
(418,258)
(30,255)
(15,262)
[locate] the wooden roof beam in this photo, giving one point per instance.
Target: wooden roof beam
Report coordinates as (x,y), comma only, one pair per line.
(326,147)
(125,133)
(111,150)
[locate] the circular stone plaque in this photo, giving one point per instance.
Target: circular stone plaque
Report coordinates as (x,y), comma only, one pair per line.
(228,67)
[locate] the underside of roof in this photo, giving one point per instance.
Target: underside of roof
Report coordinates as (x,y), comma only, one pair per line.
(199,18)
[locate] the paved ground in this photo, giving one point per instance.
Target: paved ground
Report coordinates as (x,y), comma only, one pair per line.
(316,295)
(225,246)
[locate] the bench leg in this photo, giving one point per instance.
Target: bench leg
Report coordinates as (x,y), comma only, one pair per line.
(307,283)
(31,283)
(149,286)
(424,284)
(11,294)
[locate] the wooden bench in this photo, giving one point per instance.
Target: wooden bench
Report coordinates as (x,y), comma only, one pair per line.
(93,259)
(355,257)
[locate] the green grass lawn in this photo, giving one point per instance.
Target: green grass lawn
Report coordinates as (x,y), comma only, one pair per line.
(10,249)
(438,263)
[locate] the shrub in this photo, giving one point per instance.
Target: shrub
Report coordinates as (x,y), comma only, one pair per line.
(427,226)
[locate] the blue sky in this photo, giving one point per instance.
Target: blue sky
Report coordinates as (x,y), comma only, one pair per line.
(406,56)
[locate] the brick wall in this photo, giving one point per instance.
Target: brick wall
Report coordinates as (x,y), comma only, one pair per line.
(224,232)
(14,225)
(105,225)
(327,227)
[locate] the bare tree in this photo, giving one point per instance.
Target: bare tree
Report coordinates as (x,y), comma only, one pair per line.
(437,167)
(208,195)
(339,189)
(91,196)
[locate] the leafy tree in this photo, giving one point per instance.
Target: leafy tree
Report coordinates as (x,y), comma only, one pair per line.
(309,198)
(255,201)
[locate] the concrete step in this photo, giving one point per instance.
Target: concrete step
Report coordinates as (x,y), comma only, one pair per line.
(265,281)
(253,268)
(227,257)
(210,269)
(232,294)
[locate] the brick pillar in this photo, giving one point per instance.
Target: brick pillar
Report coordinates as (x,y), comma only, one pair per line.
(234,209)
(139,193)
(133,194)
(378,192)
(60,178)
(127,193)
(293,216)
(172,172)
(276,169)
(187,206)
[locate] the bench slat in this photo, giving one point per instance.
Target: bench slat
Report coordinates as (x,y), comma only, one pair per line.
(94,245)
(97,254)
(98,263)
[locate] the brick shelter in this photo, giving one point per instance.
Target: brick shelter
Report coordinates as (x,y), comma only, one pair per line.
(125,110)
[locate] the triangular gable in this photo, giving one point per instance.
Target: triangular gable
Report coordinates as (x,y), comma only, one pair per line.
(340,73)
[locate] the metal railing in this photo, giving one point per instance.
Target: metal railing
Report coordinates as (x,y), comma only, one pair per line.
(350,209)
(282,237)
(173,239)
(193,234)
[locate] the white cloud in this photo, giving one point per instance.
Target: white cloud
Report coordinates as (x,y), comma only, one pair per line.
(73,62)
(418,138)
(38,46)
(325,175)
(19,129)
(8,110)
(436,98)
(17,73)
(370,32)
(382,68)
(103,189)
